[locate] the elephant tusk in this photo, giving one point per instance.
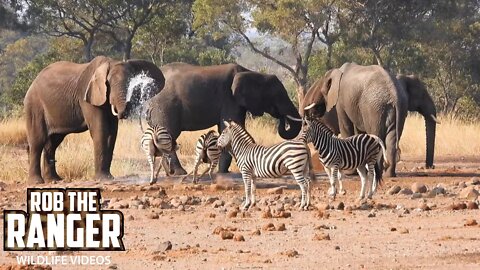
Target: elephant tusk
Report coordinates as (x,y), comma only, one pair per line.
(310,106)
(294,118)
(113,111)
(435,119)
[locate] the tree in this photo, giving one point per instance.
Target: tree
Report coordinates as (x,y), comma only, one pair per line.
(299,24)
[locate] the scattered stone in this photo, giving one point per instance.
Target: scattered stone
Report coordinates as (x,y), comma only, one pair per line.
(322,214)
(276,190)
(268,227)
(283,214)
(210,200)
(281,227)
(337,247)
(416,195)
(394,190)
(457,206)
(340,206)
(218,230)
(212,215)
(321,236)
(393,229)
(267,213)
(403,231)
(365,206)
(406,191)
(323,206)
(472,205)
(218,203)
(372,214)
(238,238)
(226,235)
(267,261)
(164,246)
(232,214)
(470,222)
(438,190)
(290,253)
(469,193)
(256,232)
(130,218)
(474,181)
(419,188)
(424,207)
(153,216)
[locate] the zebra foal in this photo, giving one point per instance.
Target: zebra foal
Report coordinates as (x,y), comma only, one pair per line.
(156,142)
(206,151)
(359,152)
(255,160)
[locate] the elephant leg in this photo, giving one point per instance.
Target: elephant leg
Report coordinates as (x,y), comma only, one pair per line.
(102,154)
(111,139)
(390,145)
(49,170)
(37,137)
(225,161)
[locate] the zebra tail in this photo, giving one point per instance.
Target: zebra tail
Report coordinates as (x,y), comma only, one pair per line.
(378,172)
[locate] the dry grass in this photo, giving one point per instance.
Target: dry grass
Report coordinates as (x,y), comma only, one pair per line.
(75,155)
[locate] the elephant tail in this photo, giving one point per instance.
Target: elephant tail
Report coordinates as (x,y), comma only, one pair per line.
(383,153)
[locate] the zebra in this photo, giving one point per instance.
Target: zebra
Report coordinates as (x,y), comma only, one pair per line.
(255,160)
(359,152)
(206,151)
(155,142)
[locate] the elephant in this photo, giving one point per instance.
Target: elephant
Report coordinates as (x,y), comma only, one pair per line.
(66,98)
(196,97)
(367,99)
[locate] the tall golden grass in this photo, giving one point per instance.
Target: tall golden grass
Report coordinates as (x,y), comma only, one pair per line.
(75,154)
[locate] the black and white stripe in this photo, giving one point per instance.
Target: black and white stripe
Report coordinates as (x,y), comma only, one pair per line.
(156,142)
(206,151)
(359,152)
(255,160)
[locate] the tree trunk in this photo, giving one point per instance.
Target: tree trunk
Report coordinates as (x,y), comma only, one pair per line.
(329,56)
(127,48)
(87,50)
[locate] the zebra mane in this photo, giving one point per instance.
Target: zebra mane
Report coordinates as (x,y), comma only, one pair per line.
(323,127)
(239,129)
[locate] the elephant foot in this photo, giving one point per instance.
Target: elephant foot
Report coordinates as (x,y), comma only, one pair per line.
(52,177)
(35,180)
(390,173)
(103,176)
(179,171)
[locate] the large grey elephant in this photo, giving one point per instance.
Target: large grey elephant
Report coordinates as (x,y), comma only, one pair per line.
(68,98)
(196,98)
(369,99)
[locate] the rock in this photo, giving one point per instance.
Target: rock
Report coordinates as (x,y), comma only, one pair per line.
(457,206)
(267,261)
(238,238)
(474,181)
(365,206)
(279,207)
(282,214)
(321,236)
(403,231)
(268,227)
(472,205)
(218,230)
(232,214)
(185,199)
(322,214)
(372,214)
(153,216)
(130,218)
(393,229)
(323,206)
(267,213)
(424,207)
(470,222)
(416,195)
(157,202)
(340,206)
(438,190)
(290,253)
(406,191)
(175,203)
(218,203)
(281,227)
(212,215)
(164,246)
(256,232)
(394,190)
(276,190)
(419,188)
(210,200)
(226,235)
(469,193)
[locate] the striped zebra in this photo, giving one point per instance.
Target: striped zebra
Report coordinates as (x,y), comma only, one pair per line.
(206,151)
(155,142)
(255,160)
(359,152)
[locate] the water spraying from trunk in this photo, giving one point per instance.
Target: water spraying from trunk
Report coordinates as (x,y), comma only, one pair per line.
(142,82)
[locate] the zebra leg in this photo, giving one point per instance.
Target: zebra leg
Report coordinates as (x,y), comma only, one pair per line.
(246,182)
(159,167)
(333,181)
(362,171)
(151,161)
(341,191)
(204,172)
(252,193)
(195,169)
(213,165)
(371,180)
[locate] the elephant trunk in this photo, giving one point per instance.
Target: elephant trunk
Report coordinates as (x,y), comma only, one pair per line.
(430,127)
(291,131)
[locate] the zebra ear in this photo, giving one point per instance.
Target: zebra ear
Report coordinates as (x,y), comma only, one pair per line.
(176,147)
(227,124)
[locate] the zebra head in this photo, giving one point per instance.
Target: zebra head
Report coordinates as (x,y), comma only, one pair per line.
(225,137)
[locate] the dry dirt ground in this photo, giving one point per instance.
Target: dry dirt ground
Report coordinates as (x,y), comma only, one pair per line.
(401,231)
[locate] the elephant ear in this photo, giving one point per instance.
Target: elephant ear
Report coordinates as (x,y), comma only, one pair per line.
(96,93)
(247,89)
(331,87)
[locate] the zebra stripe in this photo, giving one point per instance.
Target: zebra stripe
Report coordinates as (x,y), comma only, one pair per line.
(359,152)
(155,142)
(255,160)
(206,151)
